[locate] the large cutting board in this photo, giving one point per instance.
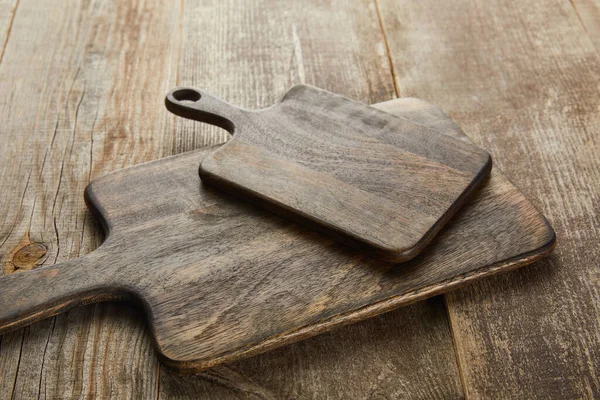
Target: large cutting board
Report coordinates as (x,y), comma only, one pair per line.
(220,279)
(378,182)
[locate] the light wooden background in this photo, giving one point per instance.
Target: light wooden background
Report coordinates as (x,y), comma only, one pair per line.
(82,86)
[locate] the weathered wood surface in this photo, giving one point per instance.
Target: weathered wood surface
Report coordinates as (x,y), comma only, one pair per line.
(92,354)
(220,279)
(381,184)
(7,12)
(522,78)
(401,354)
(588,13)
(273,46)
(248,53)
(80,84)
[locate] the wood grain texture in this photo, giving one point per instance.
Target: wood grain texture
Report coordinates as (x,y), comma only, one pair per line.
(7,12)
(71,109)
(8,367)
(381,184)
(392,356)
(250,58)
(269,51)
(241,48)
(522,78)
(220,279)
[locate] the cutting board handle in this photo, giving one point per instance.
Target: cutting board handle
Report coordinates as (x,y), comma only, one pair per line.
(198,105)
(30,296)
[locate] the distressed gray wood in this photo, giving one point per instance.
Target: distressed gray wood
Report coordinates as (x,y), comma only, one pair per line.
(374,181)
(588,13)
(221,279)
(72,77)
(103,349)
(522,79)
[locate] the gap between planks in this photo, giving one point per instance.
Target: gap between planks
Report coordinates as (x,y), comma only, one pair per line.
(387,49)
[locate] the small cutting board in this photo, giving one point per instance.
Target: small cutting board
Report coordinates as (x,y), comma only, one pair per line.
(375,181)
(220,279)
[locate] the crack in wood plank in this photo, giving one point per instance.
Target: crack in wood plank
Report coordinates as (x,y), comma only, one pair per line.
(387,49)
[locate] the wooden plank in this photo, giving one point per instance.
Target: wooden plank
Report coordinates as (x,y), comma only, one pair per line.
(82,86)
(521,78)
(256,51)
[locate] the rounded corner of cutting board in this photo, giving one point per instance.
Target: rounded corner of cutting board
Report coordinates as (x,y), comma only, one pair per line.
(204,168)
(209,166)
(488,162)
(550,239)
(208,170)
(396,252)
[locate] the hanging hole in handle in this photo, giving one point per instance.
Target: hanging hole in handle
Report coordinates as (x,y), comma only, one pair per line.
(187,95)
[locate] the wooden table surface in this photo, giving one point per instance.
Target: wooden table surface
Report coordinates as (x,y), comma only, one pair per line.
(82,86)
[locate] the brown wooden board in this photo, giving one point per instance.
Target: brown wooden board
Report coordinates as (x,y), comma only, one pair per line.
(380,183)
(250,59)
(220,279)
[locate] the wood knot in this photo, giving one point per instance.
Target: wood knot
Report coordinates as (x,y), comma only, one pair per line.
(24,257)
(27,257)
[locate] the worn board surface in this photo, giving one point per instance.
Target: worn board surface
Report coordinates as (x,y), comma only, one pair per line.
(379,183)
(270,51)
(522,78)
(221,279)
(70,111)
(249,52)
